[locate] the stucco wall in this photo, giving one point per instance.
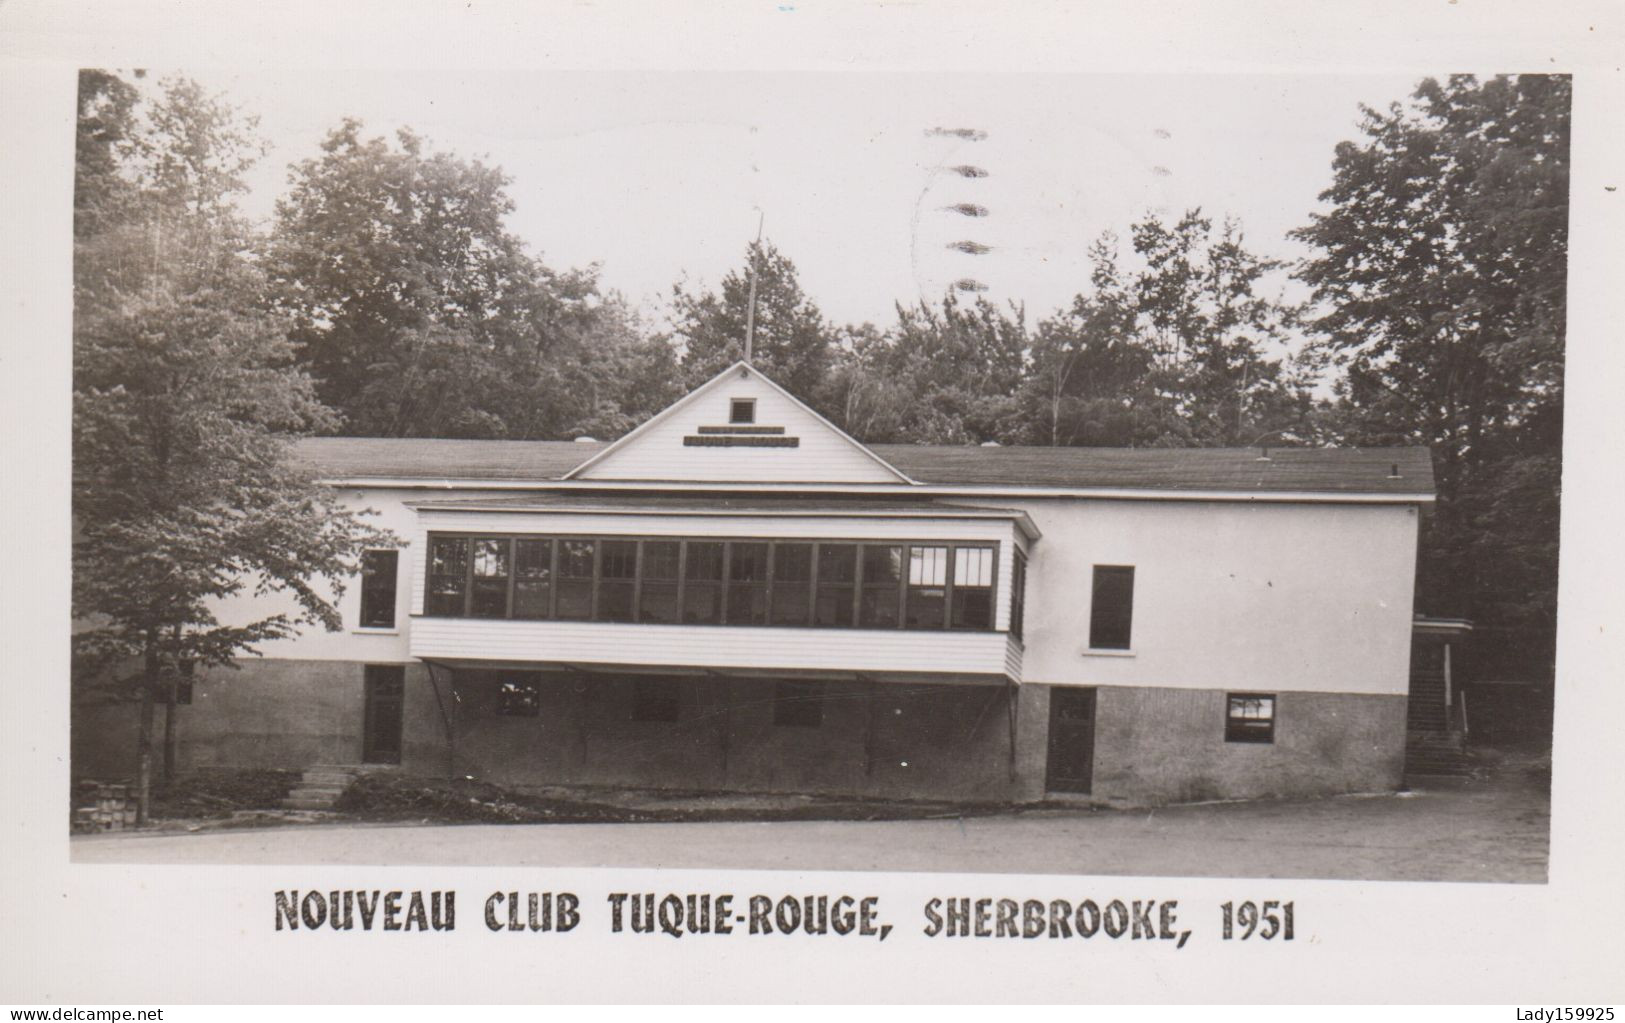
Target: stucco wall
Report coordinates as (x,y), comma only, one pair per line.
(1227,595)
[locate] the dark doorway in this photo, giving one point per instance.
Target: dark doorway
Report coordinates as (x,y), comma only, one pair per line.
(381,734)
(1071,739)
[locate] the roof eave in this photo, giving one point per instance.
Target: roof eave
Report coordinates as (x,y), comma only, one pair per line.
(919,489)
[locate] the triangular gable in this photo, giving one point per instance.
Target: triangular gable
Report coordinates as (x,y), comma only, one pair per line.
(695,439)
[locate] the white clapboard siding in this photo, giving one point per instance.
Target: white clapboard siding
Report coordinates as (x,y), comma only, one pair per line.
(996,531)
(747,647)
(657,452)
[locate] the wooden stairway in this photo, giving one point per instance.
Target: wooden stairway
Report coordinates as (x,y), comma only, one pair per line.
(1437,755)
(1426,710)
(1432,747)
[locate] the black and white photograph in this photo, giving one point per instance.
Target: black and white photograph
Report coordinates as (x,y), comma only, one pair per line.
(1045,479)
(942,473)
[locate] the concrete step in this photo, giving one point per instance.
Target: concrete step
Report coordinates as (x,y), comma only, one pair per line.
(327,778)
(316,792)
(307,804)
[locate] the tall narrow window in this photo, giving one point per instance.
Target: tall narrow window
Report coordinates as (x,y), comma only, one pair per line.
(489,598)
(837,578)
(742,411)
(747,584)
(575,579)
(448,576)
(657,600)
(973,588)
(1018,595)
(882,577)
(533,578)
(1111,610)
(618,579)
(927,587)
(792,583)
(702,583)
(378,589)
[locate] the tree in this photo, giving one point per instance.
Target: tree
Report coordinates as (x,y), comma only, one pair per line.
(415,309)
(1441,277)
(1088,365)
(1208,330)
(961,366)
(793,344)
(184,397)
(1173,354)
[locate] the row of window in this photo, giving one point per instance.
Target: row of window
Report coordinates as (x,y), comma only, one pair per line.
(736,582)
(871,585)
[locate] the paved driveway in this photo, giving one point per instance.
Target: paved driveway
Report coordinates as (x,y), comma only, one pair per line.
(1462,831)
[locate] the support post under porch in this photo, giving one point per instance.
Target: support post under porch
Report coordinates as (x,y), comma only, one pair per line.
(446,716)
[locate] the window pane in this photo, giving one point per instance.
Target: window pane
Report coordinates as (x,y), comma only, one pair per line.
(490,597)
(618,566)
(378,589)
(1111,611)
(973,588)
(837,571)
(1018,596)
(1249,717)
(533,578)
(659,600)
(575,579)
(747,584)
(702,583)
(448,576)
(927,587)
(792,583)
(882,573)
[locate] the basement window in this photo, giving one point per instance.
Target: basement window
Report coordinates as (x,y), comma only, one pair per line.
(1250,717)
(798,705)
(741,411)
(519,699)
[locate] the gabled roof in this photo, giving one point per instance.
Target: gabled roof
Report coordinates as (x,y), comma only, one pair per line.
(704,392)
(1241,470)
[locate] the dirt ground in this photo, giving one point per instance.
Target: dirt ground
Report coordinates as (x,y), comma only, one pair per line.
(1495,828)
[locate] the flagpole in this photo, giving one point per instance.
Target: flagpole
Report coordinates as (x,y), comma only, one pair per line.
(750,311)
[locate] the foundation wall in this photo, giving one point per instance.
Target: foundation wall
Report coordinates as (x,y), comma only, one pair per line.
(1152,745)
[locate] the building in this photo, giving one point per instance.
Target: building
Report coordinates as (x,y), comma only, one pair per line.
(738,596)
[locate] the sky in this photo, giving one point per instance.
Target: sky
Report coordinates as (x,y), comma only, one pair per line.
(661,177)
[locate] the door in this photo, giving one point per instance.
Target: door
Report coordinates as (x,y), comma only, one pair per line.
(381,731)
(1071,739)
